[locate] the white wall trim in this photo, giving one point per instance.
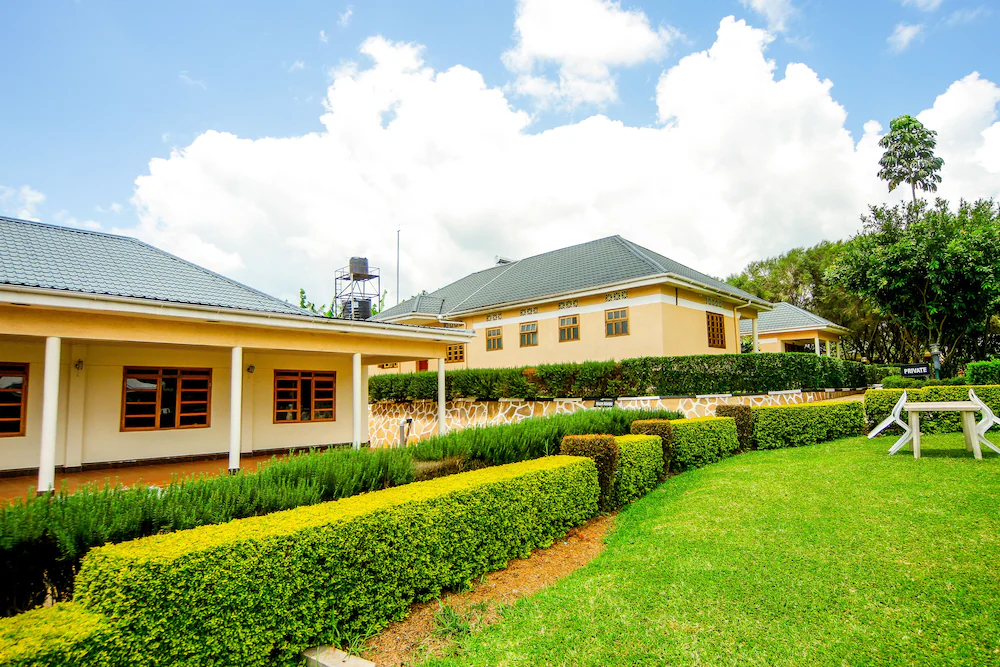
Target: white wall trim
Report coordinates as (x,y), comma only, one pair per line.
(601,307)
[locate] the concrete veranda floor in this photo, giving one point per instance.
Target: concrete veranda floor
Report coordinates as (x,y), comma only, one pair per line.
(152,474)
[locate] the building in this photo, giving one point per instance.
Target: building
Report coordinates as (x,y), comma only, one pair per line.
(114,351)
(606,299)
(789,328)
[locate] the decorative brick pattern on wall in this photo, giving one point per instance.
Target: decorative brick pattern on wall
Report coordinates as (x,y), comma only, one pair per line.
(384,417)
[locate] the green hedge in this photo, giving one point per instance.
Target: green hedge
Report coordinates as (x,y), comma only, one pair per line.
(876,373)
(807,424)
(879,403)
(643,376)
(43,538)
(898,382)
(662,429)
(603,451)
(259,591)
(531,438)
(983,372)
(743,416)
(640,464)
(57,636)
(701,441)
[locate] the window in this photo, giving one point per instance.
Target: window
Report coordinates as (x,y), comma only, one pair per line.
(165,398)
(13,399)
(455,354)
(716,330)
(529,334)
(494,339)
(616,322)
(394,364)
(569,328)
(423,365)
(304,396)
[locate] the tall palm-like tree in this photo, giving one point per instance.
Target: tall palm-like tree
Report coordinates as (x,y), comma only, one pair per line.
(909,156)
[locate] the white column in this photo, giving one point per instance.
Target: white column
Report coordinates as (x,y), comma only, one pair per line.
(356,399)
(235,409)
(50,414)
(756,338)
(817,347)
(442,409)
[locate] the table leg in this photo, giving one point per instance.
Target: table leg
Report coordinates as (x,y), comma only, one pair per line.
(914,418)
(969,430)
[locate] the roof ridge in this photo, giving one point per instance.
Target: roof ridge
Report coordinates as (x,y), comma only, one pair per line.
(637,250)
(66,228)
(811,314)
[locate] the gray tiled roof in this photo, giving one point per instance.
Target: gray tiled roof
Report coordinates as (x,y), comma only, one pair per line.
(785,316)
(33,254)
(602,262)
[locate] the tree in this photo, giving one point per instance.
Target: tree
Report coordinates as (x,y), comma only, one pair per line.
(933,272)
(909,156)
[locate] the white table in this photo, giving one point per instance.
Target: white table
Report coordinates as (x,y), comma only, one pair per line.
(968,410)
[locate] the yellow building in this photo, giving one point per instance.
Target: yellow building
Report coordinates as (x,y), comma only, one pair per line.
(606,299)
(789,328)
(112,351)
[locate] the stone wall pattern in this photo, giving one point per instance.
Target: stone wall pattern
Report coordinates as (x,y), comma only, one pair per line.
(384,416)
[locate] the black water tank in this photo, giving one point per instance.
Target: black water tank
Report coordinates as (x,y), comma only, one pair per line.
(359,266)
(362,309)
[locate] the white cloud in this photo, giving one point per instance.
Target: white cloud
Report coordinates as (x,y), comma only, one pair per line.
(322,36)
(113,207)
(297,65)
(777,12)
(584,40)
(923,5)
(903,35)
(62,217)
(344,18)
(967,15)
(22,202)
(187,80)
(748,162)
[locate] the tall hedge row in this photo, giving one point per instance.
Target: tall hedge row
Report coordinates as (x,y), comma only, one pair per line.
(259,591)
(643,376)
(983,372)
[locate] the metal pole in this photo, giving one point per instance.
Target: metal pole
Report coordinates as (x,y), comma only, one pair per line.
(936,353)
(397,265)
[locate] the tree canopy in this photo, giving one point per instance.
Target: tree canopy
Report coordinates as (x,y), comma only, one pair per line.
(909,156)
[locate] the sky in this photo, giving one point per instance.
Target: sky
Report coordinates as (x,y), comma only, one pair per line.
(272,141)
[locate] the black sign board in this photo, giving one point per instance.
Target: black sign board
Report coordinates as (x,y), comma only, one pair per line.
(915,370)
(604,403)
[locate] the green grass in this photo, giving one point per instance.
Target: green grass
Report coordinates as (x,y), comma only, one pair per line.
(834,554)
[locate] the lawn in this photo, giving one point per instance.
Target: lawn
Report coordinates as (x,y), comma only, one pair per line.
(834,554)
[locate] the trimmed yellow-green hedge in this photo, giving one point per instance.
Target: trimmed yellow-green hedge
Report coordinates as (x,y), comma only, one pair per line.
(57,636)
(640,464)
(879,403)
(258,591)
(806,424)
(701,441)
(661,428)
(603,450)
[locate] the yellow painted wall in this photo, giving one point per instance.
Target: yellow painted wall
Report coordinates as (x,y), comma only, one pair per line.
(775,342)
(93,425)
(662,322)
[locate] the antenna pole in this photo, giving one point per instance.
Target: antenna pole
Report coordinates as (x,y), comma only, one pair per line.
(397,265)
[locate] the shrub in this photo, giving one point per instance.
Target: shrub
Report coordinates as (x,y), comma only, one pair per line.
(701,441)
(875,373)
(258,591)
(43,538)
(661,428)
(640,464)
(56,636)
(529,439)
(643,376)
(806,424)
(603,449)
(983,372)
(743,416)
(879,403)
(897,382)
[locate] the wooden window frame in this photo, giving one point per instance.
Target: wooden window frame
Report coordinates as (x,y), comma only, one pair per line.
(287,374)
(619,325)
(455,354)
(496,339)
(23,372)
(716,325)
(158,372)
(530,335)
(569,328)
(392,364)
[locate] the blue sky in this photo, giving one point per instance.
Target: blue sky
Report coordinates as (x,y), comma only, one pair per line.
(95,90)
